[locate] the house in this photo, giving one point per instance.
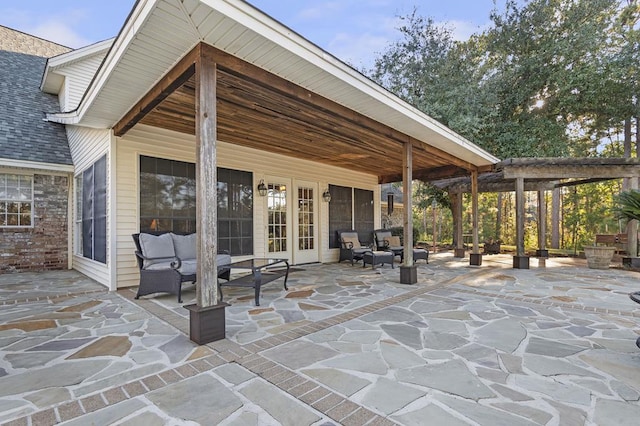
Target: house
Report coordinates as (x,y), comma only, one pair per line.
(204,103)
(35,162)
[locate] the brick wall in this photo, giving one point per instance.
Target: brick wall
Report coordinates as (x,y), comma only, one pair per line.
(43,247)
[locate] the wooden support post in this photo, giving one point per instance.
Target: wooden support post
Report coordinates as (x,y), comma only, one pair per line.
(542,226)
(408,271)
(520,260)
(476,256)
(555,218)
(632,227)
(457,219)
(207,318)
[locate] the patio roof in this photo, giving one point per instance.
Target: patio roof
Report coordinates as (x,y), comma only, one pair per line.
(276,91)
(542,174)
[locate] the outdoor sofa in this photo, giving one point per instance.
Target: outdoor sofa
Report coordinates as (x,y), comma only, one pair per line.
(167,259)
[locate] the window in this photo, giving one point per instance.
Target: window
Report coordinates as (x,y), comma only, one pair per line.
(340,212)
(168,202)
(350,209)
(363,214)
(167,195)
(235,211)
(16,200)
(91,212)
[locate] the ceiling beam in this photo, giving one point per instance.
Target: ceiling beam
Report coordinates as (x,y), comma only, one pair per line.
(171,81)
(427,175)
(571,171)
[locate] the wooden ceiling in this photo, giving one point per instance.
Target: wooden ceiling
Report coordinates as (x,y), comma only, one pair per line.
(259,110)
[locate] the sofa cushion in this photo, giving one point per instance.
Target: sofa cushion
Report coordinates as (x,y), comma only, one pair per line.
(185,245)
(223,259)
(159,248)
(159,266)
(188,267)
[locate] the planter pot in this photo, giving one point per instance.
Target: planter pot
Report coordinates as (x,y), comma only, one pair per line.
(599,257)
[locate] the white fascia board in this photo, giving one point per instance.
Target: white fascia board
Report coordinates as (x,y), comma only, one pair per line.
(119,46)
(267,27)
(59,168)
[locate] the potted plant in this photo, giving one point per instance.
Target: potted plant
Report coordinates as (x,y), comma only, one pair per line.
(629,208)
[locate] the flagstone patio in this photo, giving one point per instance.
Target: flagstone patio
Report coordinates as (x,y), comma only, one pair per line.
(345,345)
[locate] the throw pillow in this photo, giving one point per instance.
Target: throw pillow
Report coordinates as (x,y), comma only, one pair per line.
(352,240)
(156,247)
(185,245)
(393,241)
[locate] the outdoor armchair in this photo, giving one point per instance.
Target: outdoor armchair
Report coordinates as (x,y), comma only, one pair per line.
(388,242)
(350,246)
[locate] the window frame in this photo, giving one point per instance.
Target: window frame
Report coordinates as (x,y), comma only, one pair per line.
(7,200)
(91,211)
(339,196)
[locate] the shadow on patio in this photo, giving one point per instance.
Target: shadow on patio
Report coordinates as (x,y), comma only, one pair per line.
(489,345)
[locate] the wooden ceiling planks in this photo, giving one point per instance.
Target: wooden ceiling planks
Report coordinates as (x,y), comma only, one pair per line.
(259,110)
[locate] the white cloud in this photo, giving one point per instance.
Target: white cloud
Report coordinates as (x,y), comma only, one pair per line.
(58,28)
(321,11)
(59,32)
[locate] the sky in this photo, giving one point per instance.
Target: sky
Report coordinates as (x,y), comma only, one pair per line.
(353,30)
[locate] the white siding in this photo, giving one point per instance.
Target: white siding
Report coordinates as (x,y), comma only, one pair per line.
(87,146)
(145,140)
(78,75)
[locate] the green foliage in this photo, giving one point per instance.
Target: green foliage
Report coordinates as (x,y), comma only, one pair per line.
(548,78)
(628,205)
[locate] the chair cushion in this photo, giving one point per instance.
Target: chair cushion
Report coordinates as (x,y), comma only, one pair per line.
(353,240)
(157,247)
(185,245)
(393,241)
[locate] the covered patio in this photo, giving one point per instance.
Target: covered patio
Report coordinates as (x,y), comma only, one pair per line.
(345,345)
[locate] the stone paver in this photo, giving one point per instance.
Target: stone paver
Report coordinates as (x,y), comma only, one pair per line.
(465,346)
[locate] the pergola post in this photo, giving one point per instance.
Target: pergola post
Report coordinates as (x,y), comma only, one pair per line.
(632,227)
(408,271)
(555,218)
(457,199)
(475,258)
(207,316)
(520,260)
(542,226)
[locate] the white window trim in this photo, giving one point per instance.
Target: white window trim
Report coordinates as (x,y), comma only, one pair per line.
(33,216)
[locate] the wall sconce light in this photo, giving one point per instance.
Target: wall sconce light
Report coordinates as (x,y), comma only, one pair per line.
(389,203)
(326,195)
(262,188)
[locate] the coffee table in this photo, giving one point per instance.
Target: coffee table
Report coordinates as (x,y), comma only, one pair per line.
(259,276)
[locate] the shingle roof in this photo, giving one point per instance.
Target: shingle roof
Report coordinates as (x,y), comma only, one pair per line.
(24,135)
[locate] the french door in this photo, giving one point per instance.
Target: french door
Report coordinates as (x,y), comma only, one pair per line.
(305,236)
(278,221)
(292,220)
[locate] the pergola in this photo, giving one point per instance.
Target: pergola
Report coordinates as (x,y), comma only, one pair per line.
(535,174)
